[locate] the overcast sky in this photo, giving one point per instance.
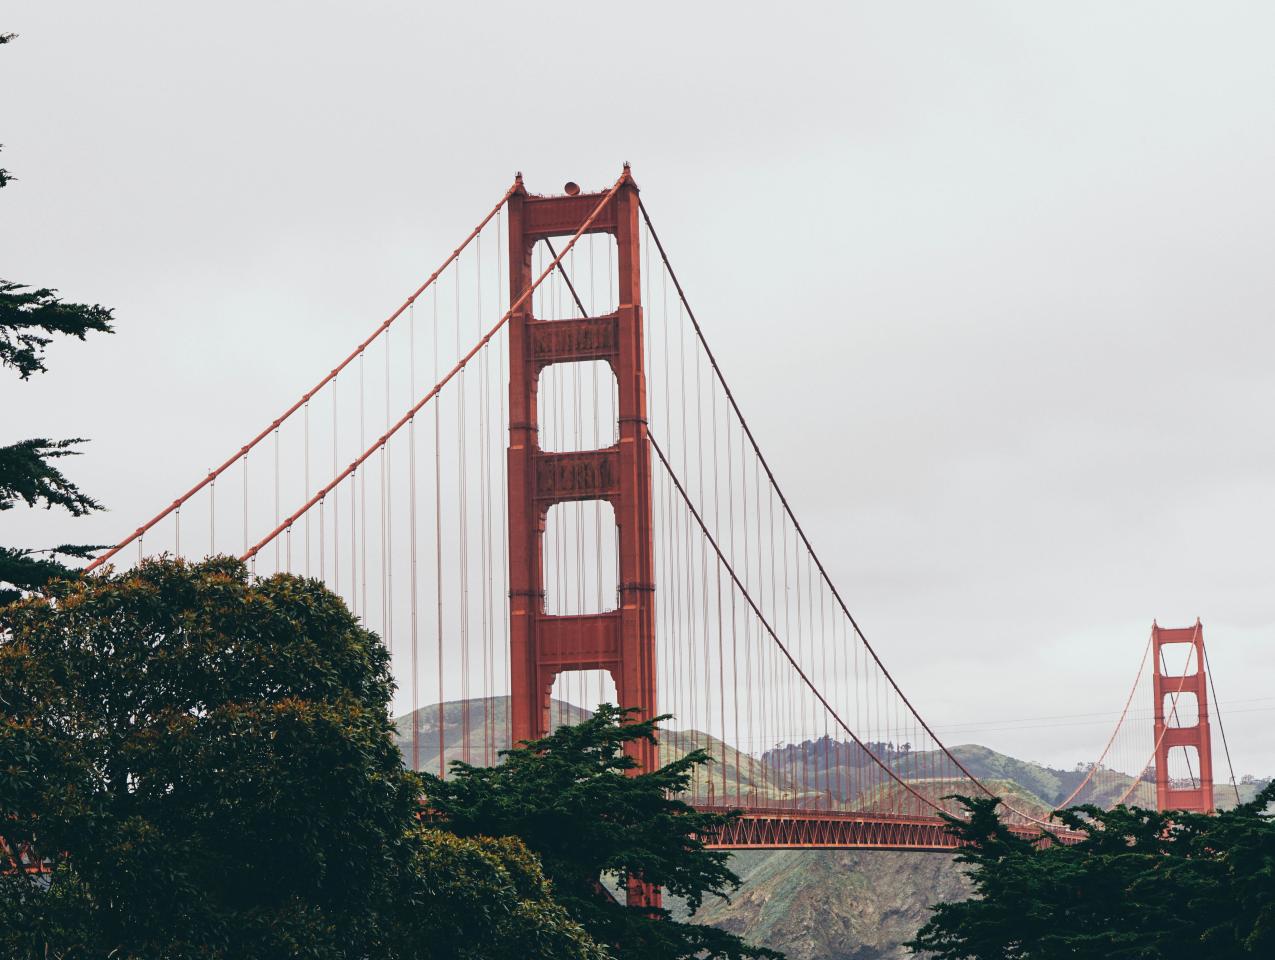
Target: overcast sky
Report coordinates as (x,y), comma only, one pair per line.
(993,281)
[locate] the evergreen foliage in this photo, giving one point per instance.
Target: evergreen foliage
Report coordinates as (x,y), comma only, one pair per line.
(208,761)
(30,316)
(29,319)
(28,475)
(572,798)
(1140,884)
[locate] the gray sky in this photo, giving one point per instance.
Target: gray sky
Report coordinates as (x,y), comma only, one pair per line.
(991,280)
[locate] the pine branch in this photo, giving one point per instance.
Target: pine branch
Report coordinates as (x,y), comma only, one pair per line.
(5,175)
(27,474)
(25,312)
(22,571)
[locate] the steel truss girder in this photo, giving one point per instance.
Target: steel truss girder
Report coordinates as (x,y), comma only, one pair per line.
(787,829)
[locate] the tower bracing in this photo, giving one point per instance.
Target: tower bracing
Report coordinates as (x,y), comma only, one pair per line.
(1182,743)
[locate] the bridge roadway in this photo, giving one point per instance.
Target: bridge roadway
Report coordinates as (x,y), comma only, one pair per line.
(764,828)
(786,828)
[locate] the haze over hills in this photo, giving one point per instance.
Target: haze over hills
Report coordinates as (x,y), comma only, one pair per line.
(814,905)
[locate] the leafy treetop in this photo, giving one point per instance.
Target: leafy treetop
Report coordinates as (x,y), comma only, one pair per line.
(573,798)
(209,762)
(1140,884)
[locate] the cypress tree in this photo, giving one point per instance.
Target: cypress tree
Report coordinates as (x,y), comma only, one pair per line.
(30,317)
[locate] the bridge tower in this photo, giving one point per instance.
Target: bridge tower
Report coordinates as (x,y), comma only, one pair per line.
(621,641)
(1171,697)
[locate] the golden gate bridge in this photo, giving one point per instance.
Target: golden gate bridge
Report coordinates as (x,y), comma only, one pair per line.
(535,482)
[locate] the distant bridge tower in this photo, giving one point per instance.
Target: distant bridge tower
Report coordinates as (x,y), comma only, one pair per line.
(1173,696)
(620,641)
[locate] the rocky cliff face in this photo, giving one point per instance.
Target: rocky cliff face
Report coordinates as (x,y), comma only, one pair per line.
(836,905)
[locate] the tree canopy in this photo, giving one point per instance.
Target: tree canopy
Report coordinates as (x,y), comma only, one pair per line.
(572,798)
(208,761)
(1140,884)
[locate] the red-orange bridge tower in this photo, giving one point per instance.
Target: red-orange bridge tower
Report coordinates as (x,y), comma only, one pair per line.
(621,641)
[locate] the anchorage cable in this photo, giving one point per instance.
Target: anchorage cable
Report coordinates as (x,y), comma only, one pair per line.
(331,376)
(450,375)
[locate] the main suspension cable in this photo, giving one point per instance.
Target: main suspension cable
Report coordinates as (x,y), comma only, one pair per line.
(1112,739)
(792,516)
(331,376)
(450,375)
(730,570)
(1208,668)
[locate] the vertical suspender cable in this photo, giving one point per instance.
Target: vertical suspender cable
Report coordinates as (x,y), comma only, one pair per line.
(245,503)
(483,510)
(362,482)
(823,649)
(463,544)
(336,500)
(355,560)
(306,468)
(748,621)
(438,556)
(501,300)
(721,646)
(411,519)
(387,521)
(670,595)
(771,723)
(276,495)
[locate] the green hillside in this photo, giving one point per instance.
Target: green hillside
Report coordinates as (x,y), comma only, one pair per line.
(482,724)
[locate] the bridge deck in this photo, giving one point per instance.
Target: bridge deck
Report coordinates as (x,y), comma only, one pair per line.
(781,828)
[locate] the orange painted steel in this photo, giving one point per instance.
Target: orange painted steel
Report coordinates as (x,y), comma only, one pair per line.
(407,417)
(779,828)
(622,641)
(1167,796)
(21,858)
(331,375)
